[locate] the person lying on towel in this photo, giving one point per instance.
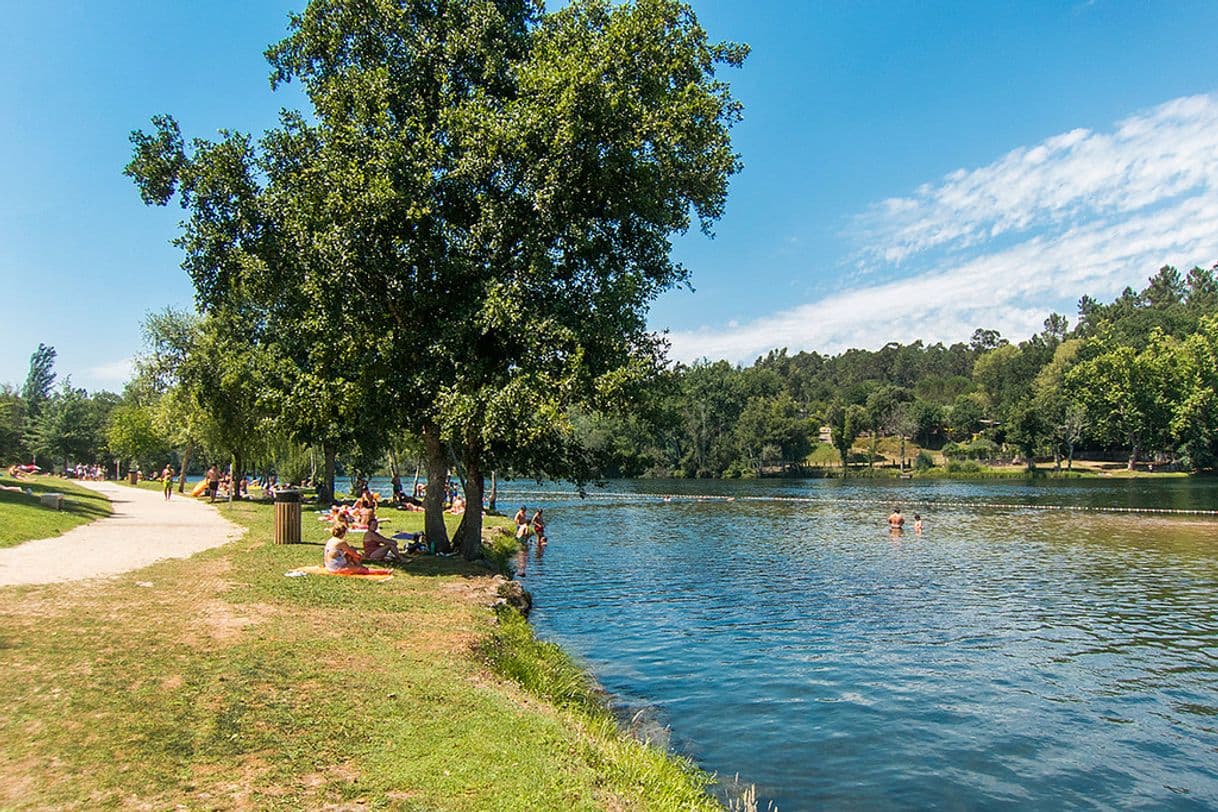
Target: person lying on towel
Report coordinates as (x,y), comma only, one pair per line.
(339,555)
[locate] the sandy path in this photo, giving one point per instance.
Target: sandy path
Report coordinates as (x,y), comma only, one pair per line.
(143,529)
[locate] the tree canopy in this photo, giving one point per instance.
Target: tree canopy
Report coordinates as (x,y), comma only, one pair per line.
(463,237)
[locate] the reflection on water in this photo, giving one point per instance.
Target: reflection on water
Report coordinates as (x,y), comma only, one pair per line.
(1007,657)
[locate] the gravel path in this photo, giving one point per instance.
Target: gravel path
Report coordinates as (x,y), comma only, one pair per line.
(143,529)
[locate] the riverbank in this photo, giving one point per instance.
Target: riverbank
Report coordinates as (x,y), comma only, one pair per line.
(217,681)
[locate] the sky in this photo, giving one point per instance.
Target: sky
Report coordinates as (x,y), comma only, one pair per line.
(911,169)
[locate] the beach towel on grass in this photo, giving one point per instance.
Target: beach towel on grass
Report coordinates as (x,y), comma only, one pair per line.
(370,575)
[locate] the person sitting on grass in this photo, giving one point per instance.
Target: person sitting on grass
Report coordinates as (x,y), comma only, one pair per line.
(339,556)
(376,546)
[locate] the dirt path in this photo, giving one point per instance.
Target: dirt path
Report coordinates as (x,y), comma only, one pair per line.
(143,529)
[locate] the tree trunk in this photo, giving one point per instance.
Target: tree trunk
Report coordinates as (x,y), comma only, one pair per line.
(234,478)
(1070,457)
(182,473)
(414,489)
(1057,459)
(1133,457)
(902,453)
(875,443)
(325,485)
(494,492)
(469,533)
(437,484)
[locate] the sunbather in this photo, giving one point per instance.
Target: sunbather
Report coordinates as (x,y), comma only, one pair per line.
(376,546)
(340,556)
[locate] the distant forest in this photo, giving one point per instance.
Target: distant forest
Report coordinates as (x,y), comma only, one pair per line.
(1135,379)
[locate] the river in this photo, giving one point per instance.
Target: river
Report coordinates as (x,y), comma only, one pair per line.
(1035,647)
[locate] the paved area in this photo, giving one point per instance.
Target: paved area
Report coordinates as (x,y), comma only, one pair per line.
(143,529)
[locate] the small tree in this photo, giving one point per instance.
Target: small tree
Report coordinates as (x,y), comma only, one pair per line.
(131,434)
(845,425)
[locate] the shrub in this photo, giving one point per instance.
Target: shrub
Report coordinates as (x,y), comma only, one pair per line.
(924,461)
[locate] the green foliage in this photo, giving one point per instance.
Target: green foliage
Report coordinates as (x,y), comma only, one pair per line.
(924,461)
(467,231)
(131,434)
(39,380)
(846,422)
(12,425)
(69,428)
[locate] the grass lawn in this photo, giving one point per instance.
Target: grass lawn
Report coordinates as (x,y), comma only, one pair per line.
(217,682)
(22,517)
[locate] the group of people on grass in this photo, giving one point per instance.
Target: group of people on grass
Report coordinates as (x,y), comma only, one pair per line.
(339,556)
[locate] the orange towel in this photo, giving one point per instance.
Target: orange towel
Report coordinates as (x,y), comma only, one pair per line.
(370,575)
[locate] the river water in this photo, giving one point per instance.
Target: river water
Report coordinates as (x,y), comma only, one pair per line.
(1035,647)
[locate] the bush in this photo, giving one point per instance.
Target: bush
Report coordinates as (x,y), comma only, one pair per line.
(979,449)
(963,467)
(924,461)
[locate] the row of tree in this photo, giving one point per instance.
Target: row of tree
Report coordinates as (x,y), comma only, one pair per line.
(44,425)
(1136,377)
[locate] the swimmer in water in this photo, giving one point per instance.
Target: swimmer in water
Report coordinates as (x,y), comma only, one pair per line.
(896,521)
(918,524)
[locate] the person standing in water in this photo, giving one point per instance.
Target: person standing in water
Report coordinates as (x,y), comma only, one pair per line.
(539,528)
(918,524)
(896,521)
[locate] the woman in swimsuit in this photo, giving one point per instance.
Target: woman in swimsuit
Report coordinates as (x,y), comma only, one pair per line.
(539,527)
(339,555)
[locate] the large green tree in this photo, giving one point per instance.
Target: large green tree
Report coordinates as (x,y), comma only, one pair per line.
(68,429)
(476,214)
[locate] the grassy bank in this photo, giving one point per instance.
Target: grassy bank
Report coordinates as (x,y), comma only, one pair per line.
(217,682)
(22,516)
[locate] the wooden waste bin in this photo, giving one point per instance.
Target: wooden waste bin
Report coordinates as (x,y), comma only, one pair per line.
(287,517)
(133,477)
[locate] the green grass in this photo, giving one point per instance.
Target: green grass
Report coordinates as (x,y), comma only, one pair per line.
(217,682)
(23,518)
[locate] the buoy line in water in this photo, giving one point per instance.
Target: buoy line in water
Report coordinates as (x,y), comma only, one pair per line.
(812,500)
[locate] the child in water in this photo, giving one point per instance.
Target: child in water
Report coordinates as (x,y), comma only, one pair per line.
(918,524)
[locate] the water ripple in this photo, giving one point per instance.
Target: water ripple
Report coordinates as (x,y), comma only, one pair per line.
(1005,659)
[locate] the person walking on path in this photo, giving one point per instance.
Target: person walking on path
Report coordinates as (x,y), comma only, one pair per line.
(167,481)
(213,483)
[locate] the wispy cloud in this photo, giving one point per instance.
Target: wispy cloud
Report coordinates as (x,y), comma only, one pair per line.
(110,375)
(1002,245)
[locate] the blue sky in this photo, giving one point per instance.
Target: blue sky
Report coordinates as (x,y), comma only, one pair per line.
(911,169)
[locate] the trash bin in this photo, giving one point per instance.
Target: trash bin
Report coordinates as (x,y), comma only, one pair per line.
(287,517)
(133,477)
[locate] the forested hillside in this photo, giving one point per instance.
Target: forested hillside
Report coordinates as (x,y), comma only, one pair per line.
(1136,378)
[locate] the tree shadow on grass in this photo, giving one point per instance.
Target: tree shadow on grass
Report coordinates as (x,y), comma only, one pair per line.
(85,505)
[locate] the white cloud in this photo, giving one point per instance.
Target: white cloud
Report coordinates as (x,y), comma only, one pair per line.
(110,375)
(1002,245)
